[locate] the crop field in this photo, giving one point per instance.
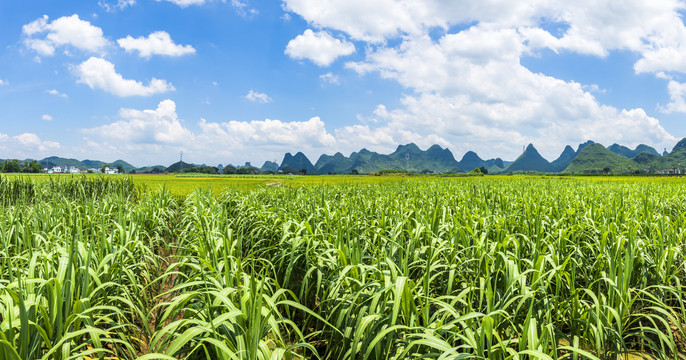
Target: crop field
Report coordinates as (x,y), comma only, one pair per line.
(434,268)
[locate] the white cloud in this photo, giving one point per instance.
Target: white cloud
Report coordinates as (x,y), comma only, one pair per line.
(46,117)
(101,74)
(157,43)
(67,30)
(330,78)
(319,47)
(112,7)
(372,21)
(677,96)
(469,85)
(150,135)
(256,96)
(152,127)
(4,82)
(241,7)
(26,145)
(56,93)
(186,3)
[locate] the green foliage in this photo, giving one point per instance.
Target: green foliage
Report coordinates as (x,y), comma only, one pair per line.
(476,172)
(11,166)
(201,170)
(434,268)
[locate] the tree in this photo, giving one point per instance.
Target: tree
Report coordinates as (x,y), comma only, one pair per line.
(354,172)
(483,170)
(133,171)
(120,169)
(476,172)
(104,167)
(229,170)
(303,172)
(12,166)
(606,170)
(31,167)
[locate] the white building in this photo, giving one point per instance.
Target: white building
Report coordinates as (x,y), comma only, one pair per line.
(58,170)
(110,171)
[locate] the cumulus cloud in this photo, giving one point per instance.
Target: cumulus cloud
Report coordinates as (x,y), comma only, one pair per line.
(157,43)
(44,37)
(151,135)
(101,74)
(469,85)
(46,117)
(56,93)
(26,145)
(256,96)
(4,82)
(319,47)
(677,96)
(159,126)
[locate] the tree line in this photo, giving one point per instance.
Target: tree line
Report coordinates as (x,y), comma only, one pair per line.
(14,166)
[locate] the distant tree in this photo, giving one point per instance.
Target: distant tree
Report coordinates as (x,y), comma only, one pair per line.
(606,170)
(303,172)
(201,170)
(355,172)
(32,167)
(120,169)
(102,170)
(12,166)
(133,171)
(476,172)
(229,170)
(483,170)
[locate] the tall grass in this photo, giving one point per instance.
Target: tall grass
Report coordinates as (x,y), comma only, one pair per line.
(435,269)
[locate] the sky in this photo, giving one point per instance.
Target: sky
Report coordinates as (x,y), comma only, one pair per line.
(246,80)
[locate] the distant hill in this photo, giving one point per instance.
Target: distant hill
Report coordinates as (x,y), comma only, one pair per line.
(269,166)
(406,157)
(179,165)
(157,169)
(531,160)
(675,158)
(583,145)
(626,152)
(296,162)
(53,161)
(436,159)
(595,158)
(565,158)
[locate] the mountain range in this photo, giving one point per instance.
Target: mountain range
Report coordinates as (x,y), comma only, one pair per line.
(588,157)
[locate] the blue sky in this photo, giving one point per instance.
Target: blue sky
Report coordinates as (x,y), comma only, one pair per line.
(245,80)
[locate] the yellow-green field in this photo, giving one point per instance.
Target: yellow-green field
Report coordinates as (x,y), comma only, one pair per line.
(184,184)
